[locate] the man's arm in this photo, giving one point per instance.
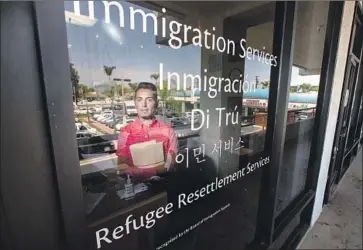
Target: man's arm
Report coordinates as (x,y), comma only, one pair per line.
(170,161)
(122,148)
(172,150)
(123,160)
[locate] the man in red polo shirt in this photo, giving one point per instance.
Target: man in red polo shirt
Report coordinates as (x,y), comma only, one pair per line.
(146,128)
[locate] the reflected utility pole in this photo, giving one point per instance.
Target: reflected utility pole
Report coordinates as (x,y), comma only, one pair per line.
(122,81)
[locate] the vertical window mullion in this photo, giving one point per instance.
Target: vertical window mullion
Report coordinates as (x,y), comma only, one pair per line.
(283,45)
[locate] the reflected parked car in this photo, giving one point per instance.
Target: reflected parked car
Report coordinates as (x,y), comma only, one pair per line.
(180,121)
(170,113)
(123,124)
(98,109)
(81,111)
(112,124)
(117,107)
(103,115)
(81,127)
(95,145)
(99,116)
(104,118)
(187,114)
(83,134)
(112,119)
(300,117)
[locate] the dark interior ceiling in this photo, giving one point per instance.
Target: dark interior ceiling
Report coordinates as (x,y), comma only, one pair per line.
(258,15)
(211,8)
(223,9)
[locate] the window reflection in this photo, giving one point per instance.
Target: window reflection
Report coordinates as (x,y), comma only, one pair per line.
(304,87)
(196,134)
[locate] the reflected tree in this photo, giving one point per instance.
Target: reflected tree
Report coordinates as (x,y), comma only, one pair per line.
(130,91)
(108,71)
(75,81)
(165,94)
(133,87)
(265,84)
(314,88)
(155,77)
(305,87)
(84,89)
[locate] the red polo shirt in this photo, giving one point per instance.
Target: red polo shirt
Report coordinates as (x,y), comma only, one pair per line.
(137,132)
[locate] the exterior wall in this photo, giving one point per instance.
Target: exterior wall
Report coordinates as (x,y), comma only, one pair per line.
(30,214)
(342,54)
(311,21)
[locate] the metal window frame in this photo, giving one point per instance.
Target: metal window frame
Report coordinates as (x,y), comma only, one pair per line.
(325,90)
(54,66)
(302,205)
(270,226)
(284,34)
(335,175)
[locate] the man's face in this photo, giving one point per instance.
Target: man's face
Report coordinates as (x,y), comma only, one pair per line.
(145,103)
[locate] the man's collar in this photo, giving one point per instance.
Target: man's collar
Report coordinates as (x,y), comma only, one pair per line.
(139,122)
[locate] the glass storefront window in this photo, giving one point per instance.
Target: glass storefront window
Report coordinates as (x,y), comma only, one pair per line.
(171,105)
(311,23)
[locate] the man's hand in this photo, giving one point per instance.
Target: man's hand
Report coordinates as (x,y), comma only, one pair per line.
(141,172)
(123,160)
(170,161)
(146,172)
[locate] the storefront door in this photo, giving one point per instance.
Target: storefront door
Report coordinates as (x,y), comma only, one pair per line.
(210,55)
(349,125)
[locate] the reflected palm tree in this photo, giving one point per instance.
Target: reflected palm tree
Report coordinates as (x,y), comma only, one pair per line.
(305,87)
(108,71)
(75,81)
(133,87)
(155,77)
(265,84)
(165,94)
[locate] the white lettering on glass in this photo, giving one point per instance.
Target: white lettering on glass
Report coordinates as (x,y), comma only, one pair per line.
(211,84)
(148,220)
(205,38)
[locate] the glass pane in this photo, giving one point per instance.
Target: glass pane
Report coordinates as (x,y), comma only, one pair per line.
(304,86)
(175,104)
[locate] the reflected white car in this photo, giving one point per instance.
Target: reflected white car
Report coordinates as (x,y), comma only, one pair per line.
(104,118)
(83,127)
(189,115)
(96,116)
(123,124)
(98,109)
(302,117)
(106,112)
(103,115)
(81,111)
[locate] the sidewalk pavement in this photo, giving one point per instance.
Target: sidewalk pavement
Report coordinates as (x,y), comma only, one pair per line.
(340,224)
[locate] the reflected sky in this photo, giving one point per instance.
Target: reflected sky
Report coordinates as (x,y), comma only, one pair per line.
(135,54)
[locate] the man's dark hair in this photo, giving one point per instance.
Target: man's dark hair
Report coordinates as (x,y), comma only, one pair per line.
(148,85)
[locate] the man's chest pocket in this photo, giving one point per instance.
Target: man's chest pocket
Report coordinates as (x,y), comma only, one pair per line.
(137,138)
